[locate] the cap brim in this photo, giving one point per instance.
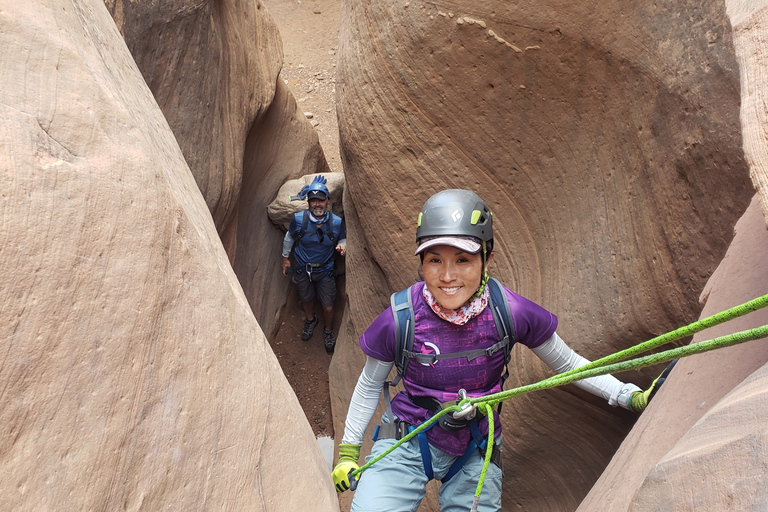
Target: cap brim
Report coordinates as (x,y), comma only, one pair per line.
(466,245)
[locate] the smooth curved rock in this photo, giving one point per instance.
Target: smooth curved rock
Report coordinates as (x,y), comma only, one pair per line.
(750,38)
(720,463)
(607,143)
(133,373)
(212,67)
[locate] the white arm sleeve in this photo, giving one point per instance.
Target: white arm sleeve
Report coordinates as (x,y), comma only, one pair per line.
(365,399)
(287,244)
(561,358)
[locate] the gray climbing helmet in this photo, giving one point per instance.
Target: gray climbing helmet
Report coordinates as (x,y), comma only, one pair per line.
(455,213)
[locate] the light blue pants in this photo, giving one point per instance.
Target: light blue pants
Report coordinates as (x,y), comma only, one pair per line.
(397,482)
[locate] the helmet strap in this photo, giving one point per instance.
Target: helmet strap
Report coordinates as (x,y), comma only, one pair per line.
(485,277)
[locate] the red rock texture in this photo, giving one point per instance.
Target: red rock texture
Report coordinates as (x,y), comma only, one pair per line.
(606,142)
(700,445)
(134,375)
(213,68)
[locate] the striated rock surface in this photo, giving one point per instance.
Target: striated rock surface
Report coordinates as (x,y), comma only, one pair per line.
(750,35)
(213,68)
(701,444)
(607,143)
(133,373)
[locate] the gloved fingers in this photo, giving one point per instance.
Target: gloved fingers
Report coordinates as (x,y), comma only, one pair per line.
(341,475)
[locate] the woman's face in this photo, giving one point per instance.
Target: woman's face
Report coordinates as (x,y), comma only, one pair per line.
(452,275)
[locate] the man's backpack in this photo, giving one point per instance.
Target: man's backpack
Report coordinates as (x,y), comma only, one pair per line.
(330,228)
(402,310)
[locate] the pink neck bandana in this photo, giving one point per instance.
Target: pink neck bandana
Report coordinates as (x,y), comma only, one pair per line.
(458,316)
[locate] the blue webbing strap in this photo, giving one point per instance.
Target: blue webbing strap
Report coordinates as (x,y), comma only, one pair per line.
(426,457)
(477,441)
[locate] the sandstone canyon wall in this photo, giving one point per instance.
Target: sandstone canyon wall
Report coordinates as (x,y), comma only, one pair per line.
(134,375)
(607,142)
(702,443)
(213,68)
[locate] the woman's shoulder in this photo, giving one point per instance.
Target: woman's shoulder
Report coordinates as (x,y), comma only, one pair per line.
(378,340)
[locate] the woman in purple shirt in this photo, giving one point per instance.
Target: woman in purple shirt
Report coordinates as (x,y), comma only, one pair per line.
(455,243)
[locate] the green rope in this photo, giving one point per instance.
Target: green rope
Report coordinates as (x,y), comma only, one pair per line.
(614,363)
(488,411)
(682,332)
(632,364)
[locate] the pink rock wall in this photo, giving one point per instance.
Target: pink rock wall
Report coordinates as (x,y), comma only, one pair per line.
(701,443)
(213,68)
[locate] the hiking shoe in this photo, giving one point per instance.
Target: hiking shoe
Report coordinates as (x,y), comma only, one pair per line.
(330,341)
(309,328)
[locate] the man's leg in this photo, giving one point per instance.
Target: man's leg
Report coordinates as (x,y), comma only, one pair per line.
(328,317)
(309,309)
(306,292)
(326,292)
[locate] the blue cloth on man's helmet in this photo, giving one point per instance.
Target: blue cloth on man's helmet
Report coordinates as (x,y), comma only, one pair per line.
(318,183)
(318,187)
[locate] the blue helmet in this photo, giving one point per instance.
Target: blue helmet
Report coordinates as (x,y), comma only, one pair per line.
(318,190)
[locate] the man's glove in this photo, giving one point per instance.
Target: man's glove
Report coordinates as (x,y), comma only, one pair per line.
(640,399)
(348,455)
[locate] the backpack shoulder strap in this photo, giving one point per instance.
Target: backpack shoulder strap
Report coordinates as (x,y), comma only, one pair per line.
(304,224)
(333,230)
(503,318)
(402,310)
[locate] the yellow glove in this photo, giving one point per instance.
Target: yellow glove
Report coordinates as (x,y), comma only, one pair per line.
(640,399)
(348,455)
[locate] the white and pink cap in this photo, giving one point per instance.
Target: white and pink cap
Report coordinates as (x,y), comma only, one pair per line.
(468,244)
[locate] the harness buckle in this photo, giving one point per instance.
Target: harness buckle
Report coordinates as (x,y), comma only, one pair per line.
(468,410)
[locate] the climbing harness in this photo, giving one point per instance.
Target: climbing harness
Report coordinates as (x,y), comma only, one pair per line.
(331,229)
(326,230)
(614,363)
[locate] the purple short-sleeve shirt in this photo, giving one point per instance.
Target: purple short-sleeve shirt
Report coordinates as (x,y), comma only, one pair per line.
(443,379)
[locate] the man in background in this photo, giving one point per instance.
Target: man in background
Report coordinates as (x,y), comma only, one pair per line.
(316,235)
